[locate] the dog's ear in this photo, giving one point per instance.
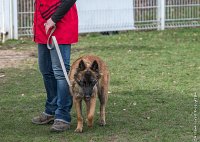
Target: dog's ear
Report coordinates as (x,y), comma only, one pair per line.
(81,65)
(95,66)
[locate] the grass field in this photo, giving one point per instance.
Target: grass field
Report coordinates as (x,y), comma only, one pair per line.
(154,78)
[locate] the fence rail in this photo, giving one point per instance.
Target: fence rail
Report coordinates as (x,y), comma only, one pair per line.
(147,14)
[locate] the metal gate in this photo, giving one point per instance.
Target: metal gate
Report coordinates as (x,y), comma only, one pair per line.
(145,14)
(151,14)
(182,13)
(25,17)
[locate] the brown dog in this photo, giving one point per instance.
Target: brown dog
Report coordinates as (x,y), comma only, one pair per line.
(89,77)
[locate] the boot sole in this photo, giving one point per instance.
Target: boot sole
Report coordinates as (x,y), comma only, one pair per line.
(53,129)
(45,122)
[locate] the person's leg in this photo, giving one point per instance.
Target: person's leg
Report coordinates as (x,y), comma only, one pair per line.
(50,83)
(64,99)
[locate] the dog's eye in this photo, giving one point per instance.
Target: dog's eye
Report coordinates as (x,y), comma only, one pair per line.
(81,83)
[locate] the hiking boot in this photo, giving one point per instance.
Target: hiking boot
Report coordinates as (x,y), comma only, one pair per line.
(43,119)
(59,126)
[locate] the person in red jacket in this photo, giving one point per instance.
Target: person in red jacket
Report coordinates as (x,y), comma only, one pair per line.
(63,15)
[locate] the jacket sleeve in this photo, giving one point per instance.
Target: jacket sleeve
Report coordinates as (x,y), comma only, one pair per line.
(62,10)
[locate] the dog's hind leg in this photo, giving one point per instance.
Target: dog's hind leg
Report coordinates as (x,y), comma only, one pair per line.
(78,106)
(103,97)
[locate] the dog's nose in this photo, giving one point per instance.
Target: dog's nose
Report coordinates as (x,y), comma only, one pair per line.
(87,98)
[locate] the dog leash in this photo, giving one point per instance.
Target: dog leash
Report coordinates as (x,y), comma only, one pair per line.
(55,44)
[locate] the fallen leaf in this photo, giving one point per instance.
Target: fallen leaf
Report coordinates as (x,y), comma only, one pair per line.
(2,75)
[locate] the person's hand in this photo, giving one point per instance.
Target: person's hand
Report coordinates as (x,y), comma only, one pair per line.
(49,24)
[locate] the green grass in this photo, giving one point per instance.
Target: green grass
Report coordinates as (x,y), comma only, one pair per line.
(154,77)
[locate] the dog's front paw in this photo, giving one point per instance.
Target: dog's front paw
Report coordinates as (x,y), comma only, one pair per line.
(79,130)
(90,125)
(102,122)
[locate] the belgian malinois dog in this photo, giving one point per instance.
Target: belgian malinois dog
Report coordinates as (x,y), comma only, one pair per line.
(89,77)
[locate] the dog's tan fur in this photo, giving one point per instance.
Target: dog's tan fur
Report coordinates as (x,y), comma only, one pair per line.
(100,89)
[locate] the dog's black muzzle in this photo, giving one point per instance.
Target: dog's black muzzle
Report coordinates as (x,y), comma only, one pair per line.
(87,98)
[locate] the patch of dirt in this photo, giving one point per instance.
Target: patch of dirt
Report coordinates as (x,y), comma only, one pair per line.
(14,58)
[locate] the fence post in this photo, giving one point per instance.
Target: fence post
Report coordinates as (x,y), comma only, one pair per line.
(15,19)
(3,31)
(11,18)
(161,14)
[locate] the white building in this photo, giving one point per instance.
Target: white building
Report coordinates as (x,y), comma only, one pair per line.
(8,19)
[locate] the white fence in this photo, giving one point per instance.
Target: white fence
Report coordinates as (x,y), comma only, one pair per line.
(182,13)
(161,14)
(117,15)
(105,15)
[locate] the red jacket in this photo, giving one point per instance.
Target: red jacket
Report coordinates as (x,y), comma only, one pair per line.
(66,29)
